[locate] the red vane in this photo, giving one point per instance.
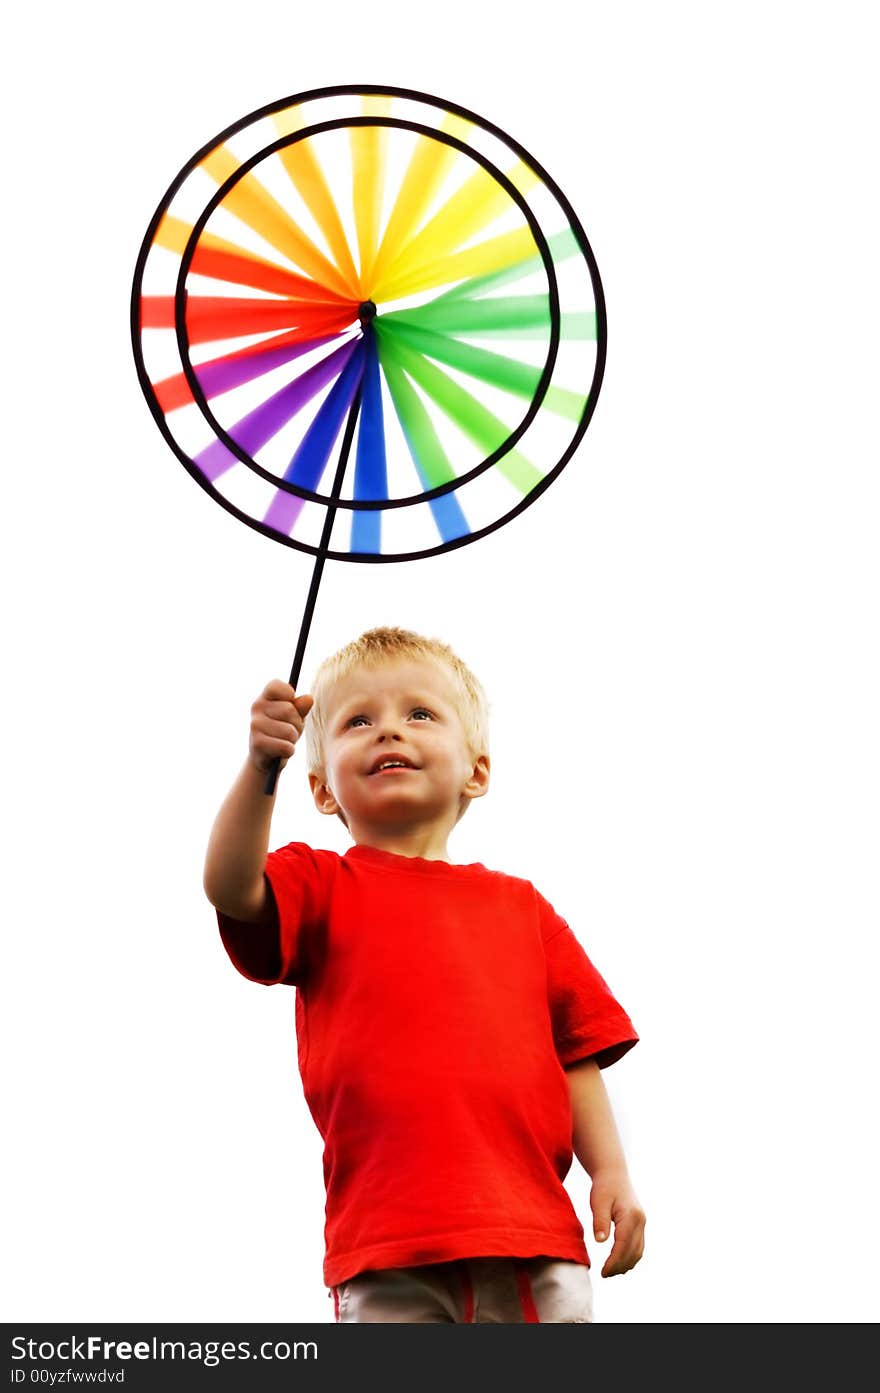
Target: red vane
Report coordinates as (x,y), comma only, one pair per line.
(262,275)
(157,311)
(173,393)
(209,318)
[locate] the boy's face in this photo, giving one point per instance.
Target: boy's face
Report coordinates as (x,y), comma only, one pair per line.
(395,753)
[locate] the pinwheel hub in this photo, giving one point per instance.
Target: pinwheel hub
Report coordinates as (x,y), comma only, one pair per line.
(367,312)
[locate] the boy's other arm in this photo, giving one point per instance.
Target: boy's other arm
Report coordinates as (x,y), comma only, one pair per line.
(599,1150)
(239,842)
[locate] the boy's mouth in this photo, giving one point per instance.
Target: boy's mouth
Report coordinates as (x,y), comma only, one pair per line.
(388,763)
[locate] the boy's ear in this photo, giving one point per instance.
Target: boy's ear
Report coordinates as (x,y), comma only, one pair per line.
(322,793)
(478,783)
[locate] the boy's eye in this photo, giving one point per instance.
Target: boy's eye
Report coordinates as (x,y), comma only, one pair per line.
(421,713)
(357,721)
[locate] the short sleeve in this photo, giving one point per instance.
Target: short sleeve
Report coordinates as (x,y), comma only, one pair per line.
(588,1021)
(277,950)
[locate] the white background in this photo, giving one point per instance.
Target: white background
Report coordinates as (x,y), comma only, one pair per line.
(679,642)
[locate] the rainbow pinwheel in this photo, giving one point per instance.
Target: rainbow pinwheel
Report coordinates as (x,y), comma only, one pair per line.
(369,324)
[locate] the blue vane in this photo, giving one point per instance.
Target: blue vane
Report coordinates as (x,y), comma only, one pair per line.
(370,472)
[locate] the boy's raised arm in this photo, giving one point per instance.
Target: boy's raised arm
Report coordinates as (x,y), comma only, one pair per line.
(239,841)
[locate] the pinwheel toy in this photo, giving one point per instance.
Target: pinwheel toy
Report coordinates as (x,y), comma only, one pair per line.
(369,325)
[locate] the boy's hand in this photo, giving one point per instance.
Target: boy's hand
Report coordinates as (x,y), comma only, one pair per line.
(613,1201)
(277,718)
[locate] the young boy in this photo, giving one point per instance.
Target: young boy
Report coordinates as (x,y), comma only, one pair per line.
(451,1029)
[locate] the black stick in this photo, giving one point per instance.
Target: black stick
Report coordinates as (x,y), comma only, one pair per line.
(323,545)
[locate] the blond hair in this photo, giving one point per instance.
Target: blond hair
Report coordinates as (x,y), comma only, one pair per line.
(382,645)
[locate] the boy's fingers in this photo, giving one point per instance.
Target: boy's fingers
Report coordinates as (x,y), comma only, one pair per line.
(277,690)
(280,701)
(615,1261)
(278,711)
(289,728)
(621,1259)
(279,730)
(628,1246)
(613,1265)
(294,712)
(601,1223)
(277,718)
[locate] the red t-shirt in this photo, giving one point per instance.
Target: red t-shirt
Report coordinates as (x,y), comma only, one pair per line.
(436,1006)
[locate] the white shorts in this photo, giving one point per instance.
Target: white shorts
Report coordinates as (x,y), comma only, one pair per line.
(478,1291)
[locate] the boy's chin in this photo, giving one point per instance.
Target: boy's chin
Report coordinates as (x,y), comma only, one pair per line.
(397,809)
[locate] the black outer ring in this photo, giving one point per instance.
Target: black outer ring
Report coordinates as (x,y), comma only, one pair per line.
(374,89)
(367,504)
